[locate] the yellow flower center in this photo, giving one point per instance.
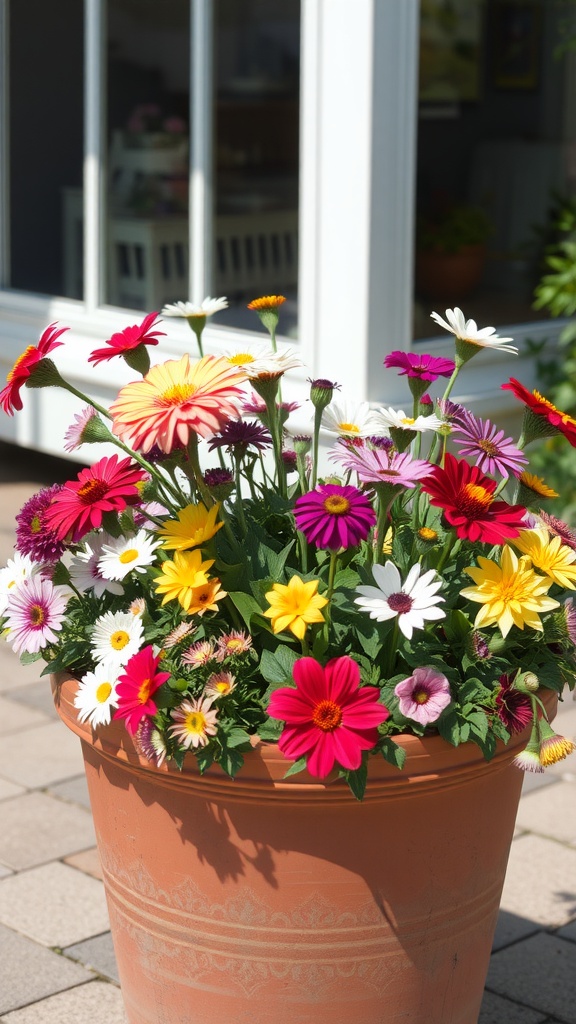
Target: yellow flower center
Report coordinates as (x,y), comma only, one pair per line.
(352,428)
(144,690)
(488,446)
(103,692)
(327,715)
(119,639)
(128,556)
(195,722)
(336,504)
(421,697)
(408,420)
(222,686)
(474,499)
(37,615)
(232,644)
(178,394)
(21,359)
(241,359)
(35,524)
(425,533)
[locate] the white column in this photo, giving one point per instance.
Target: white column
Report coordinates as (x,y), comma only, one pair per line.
(94,163)
(4,143)
(201,227)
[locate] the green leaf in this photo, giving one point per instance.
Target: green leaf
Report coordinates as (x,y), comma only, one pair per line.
(270,730)
(231,761)
(298,766)
(237,737)
(356,780)
(392,753)
(246,605)
(277,668)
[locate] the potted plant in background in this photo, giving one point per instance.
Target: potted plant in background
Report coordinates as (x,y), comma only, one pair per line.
(451,251)
(303,695)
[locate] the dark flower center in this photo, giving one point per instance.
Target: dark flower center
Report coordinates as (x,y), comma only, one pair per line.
(421,696)
(92,491)
(36,615)
(400,603)
(489,447)
(473,501)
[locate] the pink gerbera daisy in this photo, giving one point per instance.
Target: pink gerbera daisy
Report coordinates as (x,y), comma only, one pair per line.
(423,696)
(24,368)
(34,614)
(378,466)
(107,486)
(422,366)
(329,717)
(129,339)
(175,399)
(488,446)
(334,517)
(135,688)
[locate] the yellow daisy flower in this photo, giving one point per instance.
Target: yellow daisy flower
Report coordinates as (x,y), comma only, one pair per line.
(181,576)
(511,594)
(203,598)
(549,555)
(536,484)
(267,302)
(194,526)
(295,606)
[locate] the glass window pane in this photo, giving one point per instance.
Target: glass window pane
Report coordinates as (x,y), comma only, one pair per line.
(496,140)
(256,69)
(148,70)
(45,144)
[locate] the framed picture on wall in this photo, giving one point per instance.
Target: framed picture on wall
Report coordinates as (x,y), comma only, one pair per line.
(515,44)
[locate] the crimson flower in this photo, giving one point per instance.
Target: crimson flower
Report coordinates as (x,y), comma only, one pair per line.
(24,368)
(424,367)
(128,340)
(540,406)
(107,486)
(136,686)
(466,497)
(513,707)
(334,517)
(329,717)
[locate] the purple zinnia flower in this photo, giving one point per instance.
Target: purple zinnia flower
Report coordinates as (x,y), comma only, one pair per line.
(334,517)
(34,614)
(33,536)
(239,435)
(381,467)
(492,452)
(424,367)
(423,696)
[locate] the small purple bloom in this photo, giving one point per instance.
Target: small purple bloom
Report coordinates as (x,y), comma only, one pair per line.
(33,536)
(492,451)
(423,696)
(424,367)
(381,467)
(239,435)
(334,517)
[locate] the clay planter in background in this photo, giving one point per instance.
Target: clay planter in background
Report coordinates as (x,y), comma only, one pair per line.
(271,901)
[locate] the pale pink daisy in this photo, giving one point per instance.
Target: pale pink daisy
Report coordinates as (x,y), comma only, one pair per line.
(182,630)
(75,435)
(198,654)
(34,614)
(220,684)
(16,571)
(194,722)
(230,644)
(375,465)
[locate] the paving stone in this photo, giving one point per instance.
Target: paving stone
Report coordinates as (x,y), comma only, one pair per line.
(54,904)
(12,673)
(540,886)
(74,791)
(540,972)
(550,812)
(97,1002)
(41,756)
(87,861)
(97,954)
(496,1010)
(37,828)
(512,927)
(35,695)
(29,972)
(9,789)
(4,871)
(568,932)
(14,716)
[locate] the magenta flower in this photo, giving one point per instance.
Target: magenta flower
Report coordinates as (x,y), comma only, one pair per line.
(129,339)
(34,614)
(513,707)
(482,441)
(334,517)
(135,687)
(329,717)
(380,466)
(424,367)
(424,695)
(33,536)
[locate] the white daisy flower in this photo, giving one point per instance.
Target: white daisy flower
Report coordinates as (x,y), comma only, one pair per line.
(15,572)
(467,330)
(413,602)
(392,418)
(116,636)
(350,420)
(84,569)
(122,555)
(207,307)
(96,694)
(264,360)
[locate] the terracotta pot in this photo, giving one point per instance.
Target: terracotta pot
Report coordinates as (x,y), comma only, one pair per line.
(453,275)
(272,901)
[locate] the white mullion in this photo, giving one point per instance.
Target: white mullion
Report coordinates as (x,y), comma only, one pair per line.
(201,192)
(94,90)
(4,148)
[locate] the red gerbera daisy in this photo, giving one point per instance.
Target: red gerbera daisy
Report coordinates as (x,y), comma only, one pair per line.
(107,486)
(540,406)
(24,368)
(135,687)
(466,497)
(129,339)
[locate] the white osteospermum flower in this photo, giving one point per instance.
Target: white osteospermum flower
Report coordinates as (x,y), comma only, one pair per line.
(116,636)
(127,554)
(264,360)
(96,694)
(349,420)
(15,572)
(393,418)
(207,307)
(84,569)
(412,601)
(467,330)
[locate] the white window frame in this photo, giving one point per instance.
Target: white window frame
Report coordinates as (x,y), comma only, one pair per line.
(359,66)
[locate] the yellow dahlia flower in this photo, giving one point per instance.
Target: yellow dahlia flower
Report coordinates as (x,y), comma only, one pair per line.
(511,594)
(180,577)
(295,606)
(549,555)
(194,526)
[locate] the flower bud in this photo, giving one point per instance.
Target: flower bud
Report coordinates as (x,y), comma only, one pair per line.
(321,392)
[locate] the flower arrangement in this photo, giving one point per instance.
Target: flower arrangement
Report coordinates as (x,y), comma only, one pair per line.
(210,585)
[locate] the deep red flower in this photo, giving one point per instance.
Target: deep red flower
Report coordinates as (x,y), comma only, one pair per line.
(514,708)
(329,716)
(24,368)
(136,686)
(466,497)
(128,339)
(107,486)
(541,406)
